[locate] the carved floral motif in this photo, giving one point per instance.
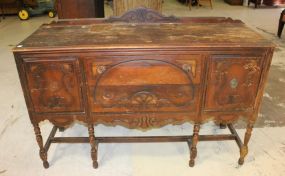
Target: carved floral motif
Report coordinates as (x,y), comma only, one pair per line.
(252,69)
(144,121)
(142,15)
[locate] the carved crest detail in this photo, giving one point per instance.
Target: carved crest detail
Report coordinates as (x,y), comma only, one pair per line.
(142,15)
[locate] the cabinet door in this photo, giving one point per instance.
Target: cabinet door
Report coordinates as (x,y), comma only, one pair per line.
(54,84)
(232,83)
(141,84)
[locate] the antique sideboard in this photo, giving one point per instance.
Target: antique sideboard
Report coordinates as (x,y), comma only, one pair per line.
(143,70)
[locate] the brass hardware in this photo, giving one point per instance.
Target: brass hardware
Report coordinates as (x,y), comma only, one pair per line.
(187,68)
(101,69)
(234,83)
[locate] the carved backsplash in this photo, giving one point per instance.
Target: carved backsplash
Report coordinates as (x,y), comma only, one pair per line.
(143,15)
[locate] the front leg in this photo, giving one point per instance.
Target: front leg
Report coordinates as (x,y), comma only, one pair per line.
(244,148)
(193,151)
(93,145)
(43,152)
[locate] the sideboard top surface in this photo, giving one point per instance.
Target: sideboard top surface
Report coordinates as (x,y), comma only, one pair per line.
(104,35)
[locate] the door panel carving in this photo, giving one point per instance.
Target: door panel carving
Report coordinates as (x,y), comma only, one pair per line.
(233,83)
(54,85)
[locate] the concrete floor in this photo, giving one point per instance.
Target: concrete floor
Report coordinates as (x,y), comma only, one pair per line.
(19,151)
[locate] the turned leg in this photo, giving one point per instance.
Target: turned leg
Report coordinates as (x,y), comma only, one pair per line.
(43,152)
(93,146)
(193,150)
(244,148)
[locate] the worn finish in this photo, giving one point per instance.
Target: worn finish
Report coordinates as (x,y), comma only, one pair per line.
(144,75)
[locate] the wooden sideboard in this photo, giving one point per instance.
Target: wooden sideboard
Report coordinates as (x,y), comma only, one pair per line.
(143,70)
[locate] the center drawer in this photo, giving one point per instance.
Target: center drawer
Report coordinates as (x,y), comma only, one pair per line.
(157,83)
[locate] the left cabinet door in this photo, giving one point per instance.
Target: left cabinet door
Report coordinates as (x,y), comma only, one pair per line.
(54,84)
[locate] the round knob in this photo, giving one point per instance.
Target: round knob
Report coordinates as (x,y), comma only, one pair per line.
(234,83)
(186,67)
(101,69)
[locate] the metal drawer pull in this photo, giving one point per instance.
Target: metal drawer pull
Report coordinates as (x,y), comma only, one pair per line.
(234,83)
(101,69)
(187,68)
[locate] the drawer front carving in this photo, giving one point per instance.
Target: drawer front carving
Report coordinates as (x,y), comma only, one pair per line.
(144,85)
(54,85)
(233,83)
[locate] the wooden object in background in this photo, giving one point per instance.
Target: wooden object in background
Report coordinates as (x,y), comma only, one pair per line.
(255,2)
(68,9)
(145,72)
(234,2)
(281,23)
(122,6)
(9,7)
(273,2)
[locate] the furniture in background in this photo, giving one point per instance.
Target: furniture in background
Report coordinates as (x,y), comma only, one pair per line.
(258,3)
(9,7)
(273,2)
(68,9)
(122,6)
(234,2)
(13,6)
(190,2)
(157,71)
(281,23)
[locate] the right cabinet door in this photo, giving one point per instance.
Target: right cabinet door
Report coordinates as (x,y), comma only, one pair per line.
(232,83)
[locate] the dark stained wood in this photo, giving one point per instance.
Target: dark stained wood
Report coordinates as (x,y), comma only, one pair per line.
(281,23)
(71,9)
(273,2)
(257,3)
(233,82)
(244,148)
(143,139)
(142,15)
(53,84)
(193,150)
(50,138)
(43,151)
(113,35)
(93,144)
(142,76)
(155,31)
